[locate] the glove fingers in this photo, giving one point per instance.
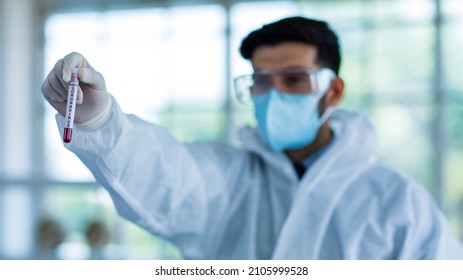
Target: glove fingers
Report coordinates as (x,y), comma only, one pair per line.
(80,96)
(59,106)
(58,72)
(52,89)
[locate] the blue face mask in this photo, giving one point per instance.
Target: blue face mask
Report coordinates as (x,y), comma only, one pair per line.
(288,121)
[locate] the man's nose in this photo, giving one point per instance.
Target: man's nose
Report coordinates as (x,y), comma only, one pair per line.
(278,84)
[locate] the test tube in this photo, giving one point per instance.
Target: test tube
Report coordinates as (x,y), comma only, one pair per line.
(71,105)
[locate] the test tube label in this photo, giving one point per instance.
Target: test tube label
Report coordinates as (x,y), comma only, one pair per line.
(71,106)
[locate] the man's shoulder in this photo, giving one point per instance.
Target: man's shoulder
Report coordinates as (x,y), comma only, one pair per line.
(386,177)
(390,187)
(383,197)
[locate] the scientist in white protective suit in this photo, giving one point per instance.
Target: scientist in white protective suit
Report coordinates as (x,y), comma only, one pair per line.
(303,185)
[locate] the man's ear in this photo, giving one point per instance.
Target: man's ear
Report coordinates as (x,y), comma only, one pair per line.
(335,93)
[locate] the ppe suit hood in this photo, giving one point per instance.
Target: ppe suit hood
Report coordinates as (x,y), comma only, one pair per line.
(354,134)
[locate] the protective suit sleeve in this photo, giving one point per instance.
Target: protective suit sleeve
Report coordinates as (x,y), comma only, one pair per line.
(429,236)
(154,180)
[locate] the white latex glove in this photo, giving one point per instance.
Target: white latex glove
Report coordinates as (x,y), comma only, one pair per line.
(92,96)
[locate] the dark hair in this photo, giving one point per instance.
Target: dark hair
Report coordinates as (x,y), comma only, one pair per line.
(296,29)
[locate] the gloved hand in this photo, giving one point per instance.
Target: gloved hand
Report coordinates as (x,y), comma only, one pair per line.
(92,96)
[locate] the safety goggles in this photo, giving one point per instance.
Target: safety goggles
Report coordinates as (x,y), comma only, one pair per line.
(293,80)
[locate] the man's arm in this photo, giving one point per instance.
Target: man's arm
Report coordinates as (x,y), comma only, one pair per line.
(154,180)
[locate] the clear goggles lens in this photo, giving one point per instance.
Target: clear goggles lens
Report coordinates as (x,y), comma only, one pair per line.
(291,81)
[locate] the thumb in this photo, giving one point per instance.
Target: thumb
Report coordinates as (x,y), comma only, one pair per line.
(92,78)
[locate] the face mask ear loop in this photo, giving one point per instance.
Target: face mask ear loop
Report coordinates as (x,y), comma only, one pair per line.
(328,112)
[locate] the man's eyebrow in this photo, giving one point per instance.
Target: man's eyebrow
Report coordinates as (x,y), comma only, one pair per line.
(292,67)
(298,68)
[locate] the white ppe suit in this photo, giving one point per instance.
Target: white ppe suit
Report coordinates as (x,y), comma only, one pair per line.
(216,201)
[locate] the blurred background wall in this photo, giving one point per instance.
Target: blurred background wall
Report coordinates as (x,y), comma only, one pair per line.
(171,62)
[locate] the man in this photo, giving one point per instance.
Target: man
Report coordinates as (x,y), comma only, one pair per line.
(304,185)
